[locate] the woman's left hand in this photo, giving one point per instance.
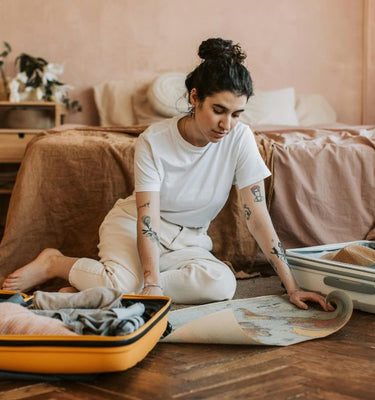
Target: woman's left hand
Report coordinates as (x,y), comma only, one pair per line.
(299,297)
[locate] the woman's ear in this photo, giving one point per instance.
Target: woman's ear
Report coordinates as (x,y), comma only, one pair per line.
(193,97)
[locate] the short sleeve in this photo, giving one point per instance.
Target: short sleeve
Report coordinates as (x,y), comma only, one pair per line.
(146,172)
(250,167)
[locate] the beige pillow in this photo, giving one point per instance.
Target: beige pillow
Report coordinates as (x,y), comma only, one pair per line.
(276,107)
(113,101)
(144,113)
(314,109)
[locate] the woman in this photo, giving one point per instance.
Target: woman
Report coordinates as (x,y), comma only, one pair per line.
(156,240)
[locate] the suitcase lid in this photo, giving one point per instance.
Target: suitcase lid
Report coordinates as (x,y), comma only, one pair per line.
(312,256)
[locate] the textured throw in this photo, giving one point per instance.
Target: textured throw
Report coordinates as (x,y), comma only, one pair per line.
(70,179)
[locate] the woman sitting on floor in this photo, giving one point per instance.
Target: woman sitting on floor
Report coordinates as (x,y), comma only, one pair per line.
(155,242)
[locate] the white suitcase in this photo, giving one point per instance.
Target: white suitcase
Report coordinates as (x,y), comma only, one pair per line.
(313,273)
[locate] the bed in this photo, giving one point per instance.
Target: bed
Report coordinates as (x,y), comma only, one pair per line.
(321,190)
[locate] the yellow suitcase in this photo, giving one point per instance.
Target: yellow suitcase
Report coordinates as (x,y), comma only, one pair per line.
(85,353)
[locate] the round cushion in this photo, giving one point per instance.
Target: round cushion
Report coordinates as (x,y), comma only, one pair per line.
(167,94)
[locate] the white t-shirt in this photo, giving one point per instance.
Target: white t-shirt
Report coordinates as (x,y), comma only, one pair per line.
(194,182)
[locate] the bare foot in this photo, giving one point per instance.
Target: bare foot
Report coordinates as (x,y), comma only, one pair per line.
(68,289)
(32,274)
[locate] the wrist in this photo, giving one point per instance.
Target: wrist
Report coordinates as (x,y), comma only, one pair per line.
(151,276)
(157,285)
(293,291)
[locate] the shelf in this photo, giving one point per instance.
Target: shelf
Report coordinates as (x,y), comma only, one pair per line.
(29,115)
(15,131)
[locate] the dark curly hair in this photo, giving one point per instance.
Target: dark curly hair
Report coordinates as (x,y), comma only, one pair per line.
(222,69)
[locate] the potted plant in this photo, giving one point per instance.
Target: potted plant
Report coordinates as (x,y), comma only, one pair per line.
(4,91)
(36,80)
(39,80)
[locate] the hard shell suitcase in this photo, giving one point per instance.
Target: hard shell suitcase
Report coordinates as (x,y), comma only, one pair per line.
(79,354)
(313,273)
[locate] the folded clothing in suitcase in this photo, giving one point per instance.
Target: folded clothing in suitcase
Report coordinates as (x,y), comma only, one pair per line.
(85,353)
(316,268)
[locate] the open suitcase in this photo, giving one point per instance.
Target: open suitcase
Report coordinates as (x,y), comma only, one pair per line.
(313,273)
(83,354)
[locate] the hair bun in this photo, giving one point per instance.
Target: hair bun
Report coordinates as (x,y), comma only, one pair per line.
(214,49)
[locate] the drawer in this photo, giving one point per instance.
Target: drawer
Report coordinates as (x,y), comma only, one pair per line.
(12,146)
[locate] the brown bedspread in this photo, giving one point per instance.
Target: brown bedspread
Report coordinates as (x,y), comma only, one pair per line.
(70,179)
(323,191)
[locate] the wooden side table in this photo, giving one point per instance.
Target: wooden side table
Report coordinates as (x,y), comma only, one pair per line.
(19,123)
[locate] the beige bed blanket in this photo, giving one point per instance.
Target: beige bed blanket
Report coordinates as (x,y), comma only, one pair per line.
(70,179)
(322,192)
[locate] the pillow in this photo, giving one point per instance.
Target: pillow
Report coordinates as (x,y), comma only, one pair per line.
(113,102)
(314,109)
(274,107)
(167,94)
(144,113)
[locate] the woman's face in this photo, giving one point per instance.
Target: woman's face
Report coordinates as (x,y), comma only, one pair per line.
(216,116)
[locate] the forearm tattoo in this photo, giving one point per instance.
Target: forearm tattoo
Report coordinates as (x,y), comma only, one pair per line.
(144,205)
(247,212)
(149,231)
(279,252)
(255,190)
(273,265)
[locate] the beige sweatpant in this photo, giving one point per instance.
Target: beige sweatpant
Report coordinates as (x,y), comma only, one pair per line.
(190,274)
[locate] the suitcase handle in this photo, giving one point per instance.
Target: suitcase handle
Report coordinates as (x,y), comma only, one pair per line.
(347,284)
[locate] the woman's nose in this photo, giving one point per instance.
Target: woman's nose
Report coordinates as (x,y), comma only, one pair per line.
(225,123)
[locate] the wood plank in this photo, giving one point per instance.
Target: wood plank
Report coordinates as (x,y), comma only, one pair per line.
(26,392)
(337,367)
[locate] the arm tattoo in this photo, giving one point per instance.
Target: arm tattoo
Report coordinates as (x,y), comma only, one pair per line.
(149,231)
(255,190)
(273,265)
(144,205)
(279,252)
(247,212)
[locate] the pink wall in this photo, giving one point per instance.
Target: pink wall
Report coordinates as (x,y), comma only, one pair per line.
(316,46)
(369,62)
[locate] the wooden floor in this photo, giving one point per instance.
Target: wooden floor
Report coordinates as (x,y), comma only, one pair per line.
(340,367)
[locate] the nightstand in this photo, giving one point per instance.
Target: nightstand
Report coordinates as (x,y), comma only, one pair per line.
(19,123)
